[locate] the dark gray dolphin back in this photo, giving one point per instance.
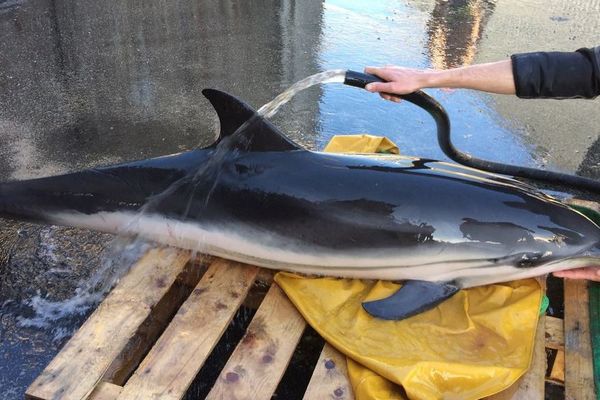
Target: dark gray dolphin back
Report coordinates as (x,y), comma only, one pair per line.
(123,187)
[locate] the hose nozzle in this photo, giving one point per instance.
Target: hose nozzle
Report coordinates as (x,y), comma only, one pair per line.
(359,79)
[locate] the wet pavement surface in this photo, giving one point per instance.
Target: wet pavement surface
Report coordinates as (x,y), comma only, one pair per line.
(86,83)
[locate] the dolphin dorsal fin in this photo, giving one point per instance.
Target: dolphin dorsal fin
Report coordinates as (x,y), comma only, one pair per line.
(261,134)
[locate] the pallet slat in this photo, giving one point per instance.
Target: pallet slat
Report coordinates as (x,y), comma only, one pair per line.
(330,377)
(594,310)
(260,359)
(177,356)
(555,333)
(579,376)
(83,361)
(557,374)
(105,391)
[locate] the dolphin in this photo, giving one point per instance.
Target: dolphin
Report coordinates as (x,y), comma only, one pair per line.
(257,197)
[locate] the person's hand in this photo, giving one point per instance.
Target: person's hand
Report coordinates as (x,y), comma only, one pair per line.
(400,81)
(590,273)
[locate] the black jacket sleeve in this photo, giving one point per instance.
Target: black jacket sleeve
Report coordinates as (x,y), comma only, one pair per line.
(557,75)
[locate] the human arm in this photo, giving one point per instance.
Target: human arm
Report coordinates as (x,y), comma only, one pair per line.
(496,77)
(590,273)
(528,75)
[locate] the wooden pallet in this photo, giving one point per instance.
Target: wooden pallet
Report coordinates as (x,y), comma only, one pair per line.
(153,333)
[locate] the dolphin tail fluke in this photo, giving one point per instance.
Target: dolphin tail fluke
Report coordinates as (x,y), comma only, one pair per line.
(412,298)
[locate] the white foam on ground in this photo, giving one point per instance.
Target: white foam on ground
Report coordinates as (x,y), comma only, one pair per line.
(57,315)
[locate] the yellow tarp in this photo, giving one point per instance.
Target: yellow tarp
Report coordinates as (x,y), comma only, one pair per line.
(471,346)
(361,144)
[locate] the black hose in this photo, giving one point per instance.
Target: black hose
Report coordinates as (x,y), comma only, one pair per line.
(435,109)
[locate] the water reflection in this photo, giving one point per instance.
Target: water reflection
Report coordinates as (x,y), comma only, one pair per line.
(391,32)
(454,30)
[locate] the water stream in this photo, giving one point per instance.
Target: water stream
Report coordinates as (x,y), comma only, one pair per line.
(57,314)
(237,142)
(271,108)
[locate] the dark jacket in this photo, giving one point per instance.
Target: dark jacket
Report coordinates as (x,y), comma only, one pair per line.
(558,75)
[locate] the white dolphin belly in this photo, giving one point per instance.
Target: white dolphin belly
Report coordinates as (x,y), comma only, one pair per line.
(265,250)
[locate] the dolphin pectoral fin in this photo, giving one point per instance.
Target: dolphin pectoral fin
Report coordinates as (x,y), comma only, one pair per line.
(412,298)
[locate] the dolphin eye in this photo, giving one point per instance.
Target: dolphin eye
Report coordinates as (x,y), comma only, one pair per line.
(529,260)
(242,169)
(248,171)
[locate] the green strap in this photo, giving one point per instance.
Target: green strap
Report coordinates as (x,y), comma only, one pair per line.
(594,293)
(594,307)
(545,304)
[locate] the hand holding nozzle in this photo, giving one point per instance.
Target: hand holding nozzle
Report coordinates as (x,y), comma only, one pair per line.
(397,81)
(393,91)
